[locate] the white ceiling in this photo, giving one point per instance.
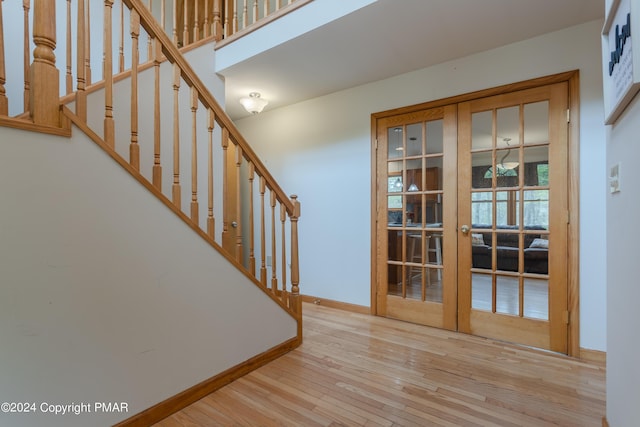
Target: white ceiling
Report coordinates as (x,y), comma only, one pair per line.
(392,37)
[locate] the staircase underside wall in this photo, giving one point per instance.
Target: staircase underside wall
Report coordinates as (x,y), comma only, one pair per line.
(106,295)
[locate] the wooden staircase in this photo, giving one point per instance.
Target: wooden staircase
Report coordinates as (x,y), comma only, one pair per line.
(247,189)
(171,134)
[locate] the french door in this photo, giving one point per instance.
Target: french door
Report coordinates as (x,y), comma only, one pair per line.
(416,217)
(512,217)
(471,216)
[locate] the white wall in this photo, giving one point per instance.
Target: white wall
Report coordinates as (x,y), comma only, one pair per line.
(623,290)
(623,342)
(321,150)
(106,295)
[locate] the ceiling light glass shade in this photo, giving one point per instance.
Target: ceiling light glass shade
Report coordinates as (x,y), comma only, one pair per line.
(413,187)
(500,171)
(508,165)
(254,104)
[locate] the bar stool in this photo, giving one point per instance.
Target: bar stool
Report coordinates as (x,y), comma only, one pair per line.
(415,256)
(437,251)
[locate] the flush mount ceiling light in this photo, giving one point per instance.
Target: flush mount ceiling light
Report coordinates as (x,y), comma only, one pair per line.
(254,104)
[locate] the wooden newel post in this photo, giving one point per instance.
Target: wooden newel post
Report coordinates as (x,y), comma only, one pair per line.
(211,223)
(45,83)
(294,299)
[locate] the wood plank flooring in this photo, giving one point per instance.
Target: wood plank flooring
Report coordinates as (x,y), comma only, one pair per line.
(360,370)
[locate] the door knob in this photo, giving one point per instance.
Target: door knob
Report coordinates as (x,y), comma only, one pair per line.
(465,229)
(234,224)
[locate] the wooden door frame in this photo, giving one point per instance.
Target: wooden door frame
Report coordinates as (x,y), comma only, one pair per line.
(573,150)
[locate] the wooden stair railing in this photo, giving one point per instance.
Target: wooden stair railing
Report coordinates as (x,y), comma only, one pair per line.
(167,121)
(193,22)
(233,178)
(221,19)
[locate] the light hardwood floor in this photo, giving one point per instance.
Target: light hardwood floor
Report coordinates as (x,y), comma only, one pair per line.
(360,370)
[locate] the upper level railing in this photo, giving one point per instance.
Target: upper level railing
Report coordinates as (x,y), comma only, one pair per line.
(149,109)
(188,22)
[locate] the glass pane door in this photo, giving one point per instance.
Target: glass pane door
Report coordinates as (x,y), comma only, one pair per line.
(411,184)
(512,209)
(414,211)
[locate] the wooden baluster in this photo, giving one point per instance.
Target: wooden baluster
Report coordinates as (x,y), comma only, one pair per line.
(274,279)
(87,45)
(109,125)
(294,298)
(69,77)
(263,244)
(245,15)
(175,189)
(252,258)
(255,11)
(235,22)
(45,77)
(238,204)
(149,42)
(278,4)
(266,8)
(283,218)
(196,22)
(157,167)
(134,148)
(207,24)
(26,56)
(81,94)
(194,156)
(226,26)
(163,15)
(217,25)
(210,219)
(121,49)
(185,25)
(4,101)
(174,31)
(235,17)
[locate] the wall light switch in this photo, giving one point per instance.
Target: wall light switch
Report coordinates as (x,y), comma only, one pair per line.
(614,179)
